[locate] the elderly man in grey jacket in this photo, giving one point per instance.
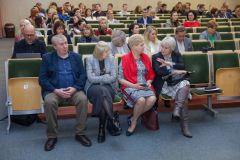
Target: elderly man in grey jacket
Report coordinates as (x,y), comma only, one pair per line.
(183,44)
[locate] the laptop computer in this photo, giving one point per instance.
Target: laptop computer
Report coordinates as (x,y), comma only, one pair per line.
(28,55)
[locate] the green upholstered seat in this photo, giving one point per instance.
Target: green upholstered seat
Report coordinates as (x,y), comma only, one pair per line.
(224,45)
(68,22)
(203,24)
(200,64)
(75,39)
(200,29)
(195,36)
(165,30)
(50,48)
(181,17)
(116,25)
(189,30)
(85,48)
(224,60)
(105,38)
(222,20)
(140,25)
(206,19)
(236,23)
(161,36)
(237,35)
(125,30)
(70,26)
(120,18)
(41,37)
(92,21)
(42,31)
(126,21)
(226,36)
(156,25)
(141,30)
(223,24)
(18,68)
(95,25)
(198,45)
(165,17)
(204,93)
(159,20)
(236,29)
(235,19)
(223,29)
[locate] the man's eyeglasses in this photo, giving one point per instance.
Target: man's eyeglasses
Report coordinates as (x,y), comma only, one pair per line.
(29,35)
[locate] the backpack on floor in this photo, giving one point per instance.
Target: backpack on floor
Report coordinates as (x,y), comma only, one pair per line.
(25,120)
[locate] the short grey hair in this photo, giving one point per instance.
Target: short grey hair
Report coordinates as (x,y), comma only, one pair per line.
(56,37)
(169,42)
(100,19)
(135,39)
(118,38)
(180,29)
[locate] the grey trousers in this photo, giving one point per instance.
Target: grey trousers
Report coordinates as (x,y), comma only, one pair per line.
(51,101)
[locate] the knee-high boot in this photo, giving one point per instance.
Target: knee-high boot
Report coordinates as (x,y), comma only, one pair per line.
(184,121)
(180,99)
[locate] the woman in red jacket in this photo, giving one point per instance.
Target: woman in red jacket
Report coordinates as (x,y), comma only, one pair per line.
(191,20)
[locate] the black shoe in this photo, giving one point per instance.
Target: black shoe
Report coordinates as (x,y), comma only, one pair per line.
(167,103)
(49,145)
(128,133)
(101,134)
(113,127)
(129,120)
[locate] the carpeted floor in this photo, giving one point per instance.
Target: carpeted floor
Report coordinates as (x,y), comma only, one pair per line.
(213,139)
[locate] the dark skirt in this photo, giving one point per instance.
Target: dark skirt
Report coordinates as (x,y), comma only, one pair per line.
(96,95)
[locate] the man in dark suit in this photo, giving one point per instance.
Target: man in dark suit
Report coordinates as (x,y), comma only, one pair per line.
(29,44)
(183,44)
(224,14)
(62,78)
(145,19)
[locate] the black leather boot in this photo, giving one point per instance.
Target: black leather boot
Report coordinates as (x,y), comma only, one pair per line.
(101,133)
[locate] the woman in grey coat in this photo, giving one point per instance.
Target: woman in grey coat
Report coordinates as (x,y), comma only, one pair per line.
(210,33)
(88,35)
(101,88)
(173,22)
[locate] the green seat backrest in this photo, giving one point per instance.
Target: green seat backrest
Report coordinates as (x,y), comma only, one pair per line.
(42,31)
(140,25)
(92,21)
(224,60)
(189,30)
(224,24)
(75,40)
(161,36)
(237,35)
(200,29)
(41,38)
(68,22)
(113,25)
(132,18)
(86,48)
(126,21)
(203,24)
(186,35)
(94,25)
(105,38)
(125,30)
(198,45)
(23,68)
(159,21)
(156,25)
(120,18)
(226,36)
(206,20)
(222,20)
(224,45)
(70,26)
(223,29)
(236,23)
(235,19)
(165,30)
(195,36)
(165,17)
(236,29)
(141,30)
(50,48)
(200,64)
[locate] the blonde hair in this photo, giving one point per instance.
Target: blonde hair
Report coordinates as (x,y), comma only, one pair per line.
(135,39)
(108,12)
(212,24)
(236,11)
(169,42)
(26,22)
(99,49)
(146,33)
(100,19)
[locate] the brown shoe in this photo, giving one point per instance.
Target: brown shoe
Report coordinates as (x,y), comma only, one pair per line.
(49,145)
(83,140)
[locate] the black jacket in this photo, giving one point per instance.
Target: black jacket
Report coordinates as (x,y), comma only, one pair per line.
(23,47)
(162,71)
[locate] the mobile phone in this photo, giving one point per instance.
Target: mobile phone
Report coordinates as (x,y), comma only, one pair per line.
(144,85)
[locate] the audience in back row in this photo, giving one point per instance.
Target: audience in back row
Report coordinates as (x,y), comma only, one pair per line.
(210,33)
(173,22)
(124,9)
(87,35)
(145,19)
(110,17)
(99,11)
(88,15)
(163,9)
(223,13)
(191,20)
(201,10)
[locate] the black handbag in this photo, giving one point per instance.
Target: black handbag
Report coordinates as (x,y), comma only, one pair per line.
(175,79)
(206,49)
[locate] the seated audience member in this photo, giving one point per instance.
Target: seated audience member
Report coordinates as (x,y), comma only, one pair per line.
(191,20)
(99,11)
(177,8)
(29,44)
(226,4)
(94,8)
(110,17)
(77,11)
(34,14)
(60,82)
(82,7)
(88,15)
(76,18)
(50,12)
(173,22)
(87,35)
(39,13)
(124,9)
(39,5)
(67,8)
(224,14)
(164,9)
(118,44)
(110,7)
(237,13)
(210,33)
(183,44)
(145,19)
(102,29)
(169,62)
(151,42)
(159,6)
(50,31)
(54,16)
(201,10)
(187,5)
(236,6)
(72,10)
(133,29)
(152,14)
(78,27)
(20,35)
(101,88)
(59,29)
(149,8)
(213,13)
(60,13)
(39,23)
(184,12)
(135,70)
(52,5)
(137,10)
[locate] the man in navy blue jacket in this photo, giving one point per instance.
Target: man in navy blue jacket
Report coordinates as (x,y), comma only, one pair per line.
(224,13)
(62,78)
(145,19)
